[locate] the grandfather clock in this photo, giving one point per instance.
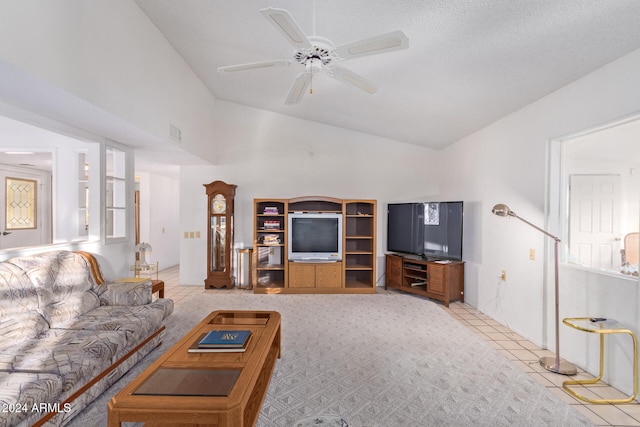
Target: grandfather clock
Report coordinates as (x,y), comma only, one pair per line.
(220,235)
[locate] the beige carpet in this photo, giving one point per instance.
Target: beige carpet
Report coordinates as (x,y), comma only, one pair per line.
(374,360)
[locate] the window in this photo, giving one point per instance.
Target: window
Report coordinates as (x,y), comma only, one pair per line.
(600,173)
(21,204)
(116,197)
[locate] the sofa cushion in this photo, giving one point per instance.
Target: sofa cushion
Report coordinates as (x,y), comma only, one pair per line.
(137,322)
(76,355)
(25,389)
(63,284)
(126,293)
(22,326)
(19,317)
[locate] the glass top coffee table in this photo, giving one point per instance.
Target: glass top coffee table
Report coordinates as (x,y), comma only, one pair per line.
(205,388)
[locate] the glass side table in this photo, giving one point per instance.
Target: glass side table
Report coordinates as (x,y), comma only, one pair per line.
(602,327)
(149,269)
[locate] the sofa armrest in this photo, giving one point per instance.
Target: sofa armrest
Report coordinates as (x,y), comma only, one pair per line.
(126,293)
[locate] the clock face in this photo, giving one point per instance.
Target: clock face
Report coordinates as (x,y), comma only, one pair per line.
(219,204)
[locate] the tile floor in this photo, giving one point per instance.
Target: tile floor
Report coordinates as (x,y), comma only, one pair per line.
(526,355)
(520,351)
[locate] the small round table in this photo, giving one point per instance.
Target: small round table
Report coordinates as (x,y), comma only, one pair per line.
(602,327)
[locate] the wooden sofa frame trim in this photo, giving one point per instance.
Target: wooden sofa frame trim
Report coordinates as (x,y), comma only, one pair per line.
(94,266)
(104,373)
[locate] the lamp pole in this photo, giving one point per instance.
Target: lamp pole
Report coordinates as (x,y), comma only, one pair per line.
(553,364)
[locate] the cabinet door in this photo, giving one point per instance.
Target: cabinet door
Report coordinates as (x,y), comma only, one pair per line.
(394,270)
(436,278)
(302,275)
(329,275)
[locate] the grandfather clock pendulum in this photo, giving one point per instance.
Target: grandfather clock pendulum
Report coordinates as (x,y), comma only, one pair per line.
(220,197)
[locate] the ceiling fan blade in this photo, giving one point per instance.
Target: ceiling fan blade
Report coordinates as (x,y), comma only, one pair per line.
(283,22)
(298,88)
(383,43)
(349,77)
(254,65)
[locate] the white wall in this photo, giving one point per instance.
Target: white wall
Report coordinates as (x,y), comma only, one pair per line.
(506,163)
(160,218)
(272,155)
(97,70)
(108,53)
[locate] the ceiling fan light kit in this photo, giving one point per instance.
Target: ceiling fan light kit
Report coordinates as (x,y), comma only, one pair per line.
(317,53)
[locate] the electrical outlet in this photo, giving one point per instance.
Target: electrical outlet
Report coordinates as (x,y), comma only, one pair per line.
(503,276)
(186,234)
(191,235)
(532,254)
(197,234)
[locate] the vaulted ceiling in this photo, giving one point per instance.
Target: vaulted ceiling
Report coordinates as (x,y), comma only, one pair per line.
(468,64)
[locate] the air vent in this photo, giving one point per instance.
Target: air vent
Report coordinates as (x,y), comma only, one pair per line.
(175,133)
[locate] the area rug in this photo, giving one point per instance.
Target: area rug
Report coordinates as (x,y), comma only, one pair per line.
(380,360)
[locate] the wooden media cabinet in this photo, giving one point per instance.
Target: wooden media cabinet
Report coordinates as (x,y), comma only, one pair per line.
(274,273)
(439,280)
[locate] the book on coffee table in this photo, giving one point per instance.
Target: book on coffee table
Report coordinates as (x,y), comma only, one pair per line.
(221,341)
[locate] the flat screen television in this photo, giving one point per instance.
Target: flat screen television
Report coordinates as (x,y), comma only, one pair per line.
(432,230)
(405,230)
(314,237)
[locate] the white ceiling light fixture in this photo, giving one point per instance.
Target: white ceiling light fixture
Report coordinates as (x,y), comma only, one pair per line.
(318,53)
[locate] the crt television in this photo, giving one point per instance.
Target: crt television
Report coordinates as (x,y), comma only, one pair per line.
(314,237)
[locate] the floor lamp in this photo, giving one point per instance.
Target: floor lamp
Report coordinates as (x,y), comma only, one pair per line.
(553,364)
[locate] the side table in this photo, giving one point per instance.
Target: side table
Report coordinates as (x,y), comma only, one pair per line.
(602,327)
(157,286)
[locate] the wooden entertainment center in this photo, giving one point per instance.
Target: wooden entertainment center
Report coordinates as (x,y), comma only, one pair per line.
(439,280)
(355,273)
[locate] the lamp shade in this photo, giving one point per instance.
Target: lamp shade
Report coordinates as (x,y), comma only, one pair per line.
(143,247)
(502,210)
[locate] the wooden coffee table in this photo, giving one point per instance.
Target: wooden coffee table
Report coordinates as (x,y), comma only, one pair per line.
(205,389)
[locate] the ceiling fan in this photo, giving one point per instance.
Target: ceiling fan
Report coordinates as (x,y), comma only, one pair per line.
(318,53)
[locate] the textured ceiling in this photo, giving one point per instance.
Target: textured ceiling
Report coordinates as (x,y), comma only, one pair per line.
(469,63)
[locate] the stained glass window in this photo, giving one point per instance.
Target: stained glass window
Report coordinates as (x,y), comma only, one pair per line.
(21,204)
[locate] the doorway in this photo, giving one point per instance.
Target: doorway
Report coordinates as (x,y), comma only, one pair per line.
(594,212)
(25,214)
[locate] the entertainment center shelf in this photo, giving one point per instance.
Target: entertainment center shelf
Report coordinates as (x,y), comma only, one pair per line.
(273,272)
(439,280)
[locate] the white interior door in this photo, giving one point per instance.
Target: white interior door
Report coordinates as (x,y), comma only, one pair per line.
(594,230)
(38,235)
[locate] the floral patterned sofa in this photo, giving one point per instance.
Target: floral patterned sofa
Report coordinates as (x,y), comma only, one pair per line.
(66,335)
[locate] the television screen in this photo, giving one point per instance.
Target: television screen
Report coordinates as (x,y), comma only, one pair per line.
(315,236)
(443,230)
(431,230)
(404,228)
